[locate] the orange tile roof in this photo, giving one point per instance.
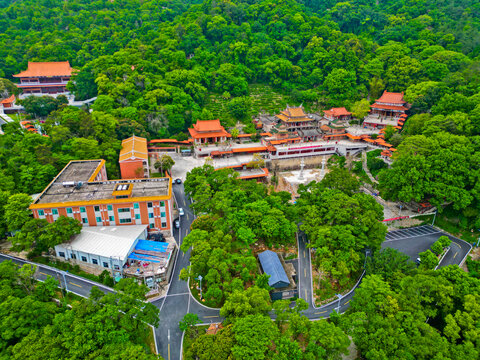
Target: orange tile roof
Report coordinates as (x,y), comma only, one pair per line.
(284,141)
(216,152)
(388,107)
(134,147)
(246,177)
(391,98)
(335,135)
(251,149)
(369,140)
(293,114)
(341,111)
(244,135)
(353,137)
(198,135)
(265,134)
(174,141)
(59,68)
(325,127)
(8,100)
(208,125)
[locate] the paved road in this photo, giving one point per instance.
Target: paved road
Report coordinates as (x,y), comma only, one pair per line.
(416,240)
(75,284)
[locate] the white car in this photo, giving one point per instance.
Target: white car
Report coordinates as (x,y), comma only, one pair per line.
(181,212)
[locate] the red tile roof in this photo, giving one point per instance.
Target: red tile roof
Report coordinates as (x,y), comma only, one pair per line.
(198,135)
(388,107)
(8,100)
(208,125)
(341,111)
(59,68)
(391,98)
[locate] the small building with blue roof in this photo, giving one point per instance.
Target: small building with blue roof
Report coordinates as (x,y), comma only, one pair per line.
(271,265)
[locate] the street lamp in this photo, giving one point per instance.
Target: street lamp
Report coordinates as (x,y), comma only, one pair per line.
(340,296)
(200,277)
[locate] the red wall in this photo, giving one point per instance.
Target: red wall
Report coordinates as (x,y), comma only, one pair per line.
(127,169)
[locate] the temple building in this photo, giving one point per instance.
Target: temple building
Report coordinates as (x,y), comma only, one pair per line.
(386,111)
(295,120)
(45,77)
(208,132)
(335,114)
(133,158)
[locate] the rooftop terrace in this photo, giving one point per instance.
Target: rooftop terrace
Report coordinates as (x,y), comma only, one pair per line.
(72,186)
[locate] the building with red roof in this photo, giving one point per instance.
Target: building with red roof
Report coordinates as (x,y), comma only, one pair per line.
(208,132)
(386,111)
(8,102)
(45,77)
(340,113)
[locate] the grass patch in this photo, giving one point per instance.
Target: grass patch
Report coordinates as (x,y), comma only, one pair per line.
(150,340)
(196,295)
(191,335)
(357,169)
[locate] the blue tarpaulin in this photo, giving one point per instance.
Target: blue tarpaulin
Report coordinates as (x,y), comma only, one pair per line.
(146,245)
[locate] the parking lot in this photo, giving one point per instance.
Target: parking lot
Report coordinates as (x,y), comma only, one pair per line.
(415,240)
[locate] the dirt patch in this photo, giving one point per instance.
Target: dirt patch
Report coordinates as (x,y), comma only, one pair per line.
(404,223)
(474,255)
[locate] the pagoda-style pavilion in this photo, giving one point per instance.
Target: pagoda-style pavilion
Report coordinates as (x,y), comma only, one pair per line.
(208,132)
(295,120)
(45,77)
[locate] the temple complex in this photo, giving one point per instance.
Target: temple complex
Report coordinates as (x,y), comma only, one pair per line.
(45,77)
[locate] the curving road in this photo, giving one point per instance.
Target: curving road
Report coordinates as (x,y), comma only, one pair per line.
(178,300)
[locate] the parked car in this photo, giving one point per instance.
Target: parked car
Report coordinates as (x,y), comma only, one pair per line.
(181,212)
(178,181)
(177,223)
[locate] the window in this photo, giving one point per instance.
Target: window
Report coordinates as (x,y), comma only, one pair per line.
(152,225)
(123,210)
(162,214)
(116,267)
(105,264)
(84,258)
(82,209)
(69,210)
(99,219)
(61,253)
(41,213)
(135,205)
(125,221)
(94,261)
(150,215)
(54,211)
(149,205)
(109,207)
(84,221)
(162,203)
(121,196)
(73,256)
(111,218)
(164,225)
(97,208)
(137,216)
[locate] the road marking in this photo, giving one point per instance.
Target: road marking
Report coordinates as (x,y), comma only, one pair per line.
(409,237)
(210,316)
(187,217)
(305,272)
(178,294)
(455,254)
(43,273)
(305,294)
(303,253)
(168,351)
(186,232)
(454,243)
(74,284)
(347,302)
(321,312)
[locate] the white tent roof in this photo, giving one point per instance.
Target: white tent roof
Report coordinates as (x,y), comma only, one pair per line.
(106,241)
